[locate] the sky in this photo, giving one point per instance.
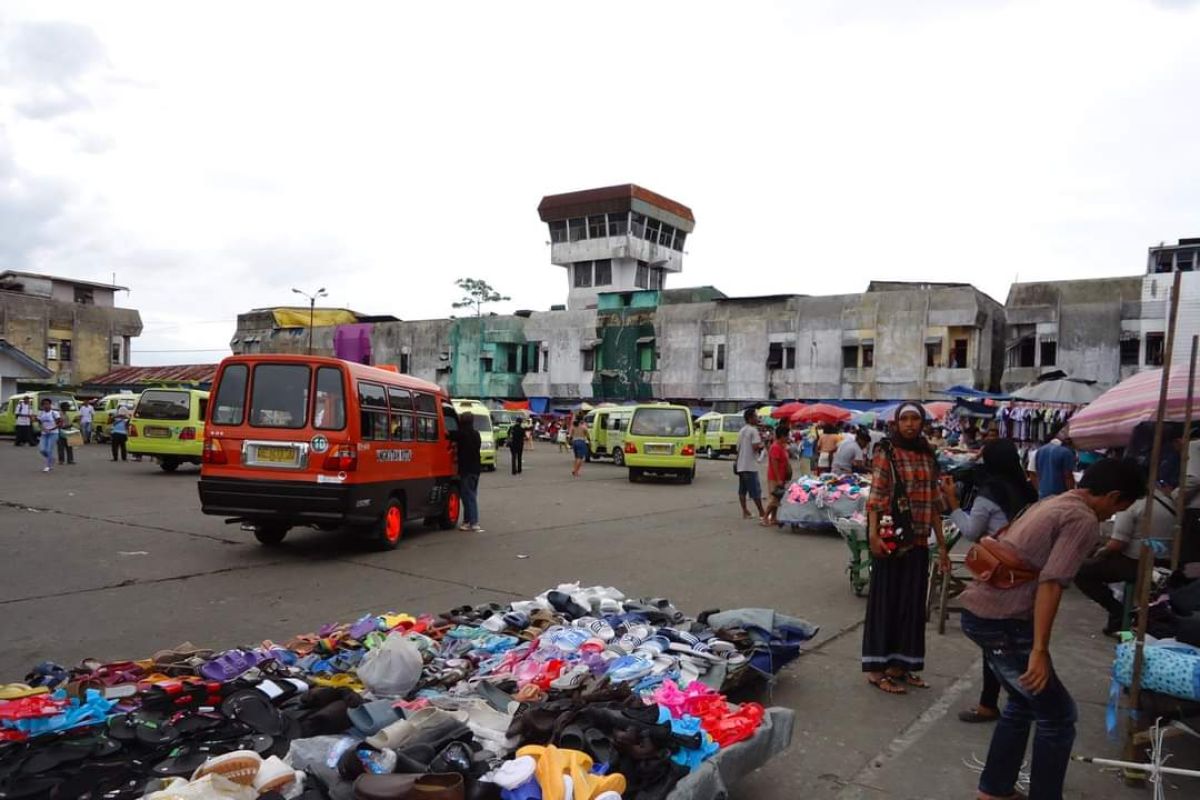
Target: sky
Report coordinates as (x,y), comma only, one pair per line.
(214,156)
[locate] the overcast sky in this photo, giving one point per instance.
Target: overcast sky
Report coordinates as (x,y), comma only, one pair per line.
(214,155)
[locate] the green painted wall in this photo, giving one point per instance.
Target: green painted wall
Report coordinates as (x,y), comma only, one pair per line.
(623,363)
(502,339)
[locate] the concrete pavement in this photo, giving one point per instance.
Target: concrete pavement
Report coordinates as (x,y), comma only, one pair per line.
(115,560)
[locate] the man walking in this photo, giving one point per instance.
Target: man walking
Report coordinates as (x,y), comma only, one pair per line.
(1013,625)
(85,422)
(516,446)
(24,423)
(1055,468)
(468,445)
(749,445)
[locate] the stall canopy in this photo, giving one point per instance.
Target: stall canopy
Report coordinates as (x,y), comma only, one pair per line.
(539,405)
(516,405)
(821,413)
(1063,390)
(786,410)
(977,394)
(1109,420)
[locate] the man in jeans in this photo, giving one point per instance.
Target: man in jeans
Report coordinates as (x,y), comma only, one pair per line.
(1013,627)
(468,444)
(749,445)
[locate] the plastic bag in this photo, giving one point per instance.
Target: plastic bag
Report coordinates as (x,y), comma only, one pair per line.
(393,668)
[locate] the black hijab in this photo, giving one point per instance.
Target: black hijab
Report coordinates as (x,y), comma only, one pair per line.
(1003,480)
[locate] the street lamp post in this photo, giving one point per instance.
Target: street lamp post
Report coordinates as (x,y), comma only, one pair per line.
(312,310)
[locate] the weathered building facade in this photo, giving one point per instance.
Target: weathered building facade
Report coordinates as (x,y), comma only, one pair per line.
(72,328)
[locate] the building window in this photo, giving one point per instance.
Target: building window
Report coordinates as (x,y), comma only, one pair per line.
(642,278)
(667,235)
(404,363)
(618,224)
(868,356)
(85,296)
(588,356)
(775,355)
(52,351)
(652,226)
(958,354)
(116,352)
(679,237)
(789,357)
(637,224)
(576,229)
(485,363)
(1020,353)
(1049,353)
(64,350)
(658,277)
(558,231)
(583,274)
(596,227)
(933,354)
(712,354)
(721,356)
(511,358)
(1130,350)
(603,269)
(1154,349)
(646,355)
(849,356)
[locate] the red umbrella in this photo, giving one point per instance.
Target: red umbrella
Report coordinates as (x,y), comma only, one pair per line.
(938,409)
(821,413)
(786,410)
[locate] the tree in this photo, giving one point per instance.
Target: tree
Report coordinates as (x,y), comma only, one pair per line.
(477,293)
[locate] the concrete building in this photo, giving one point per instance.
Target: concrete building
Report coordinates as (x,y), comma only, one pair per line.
(72,328)
(16,366)
(1163,261)
(615,239)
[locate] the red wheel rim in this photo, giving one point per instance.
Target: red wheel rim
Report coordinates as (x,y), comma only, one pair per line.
(393,524)
(452,506)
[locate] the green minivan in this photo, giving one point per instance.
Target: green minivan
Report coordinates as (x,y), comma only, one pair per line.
(660,439)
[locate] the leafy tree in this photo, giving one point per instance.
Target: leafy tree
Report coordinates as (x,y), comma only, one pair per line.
(477,293)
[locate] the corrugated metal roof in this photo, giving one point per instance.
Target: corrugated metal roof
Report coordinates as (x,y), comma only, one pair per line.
(175,373)
(610,199)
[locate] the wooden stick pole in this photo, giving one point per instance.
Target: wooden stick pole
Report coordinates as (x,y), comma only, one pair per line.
(1146,562)
(1181,496)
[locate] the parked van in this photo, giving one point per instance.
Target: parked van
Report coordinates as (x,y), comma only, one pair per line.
(483,424)
(169,425)
(309,440)
(660,439)
(716,434)
(8,412)
(106,408)
(606,433)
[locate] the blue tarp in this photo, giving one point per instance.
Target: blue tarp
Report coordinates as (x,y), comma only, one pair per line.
(967,391)
(539,405)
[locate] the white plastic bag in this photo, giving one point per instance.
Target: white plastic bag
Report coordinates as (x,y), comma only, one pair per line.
(393,668)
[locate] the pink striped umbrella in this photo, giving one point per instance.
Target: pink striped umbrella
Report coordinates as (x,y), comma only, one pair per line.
(1109,420)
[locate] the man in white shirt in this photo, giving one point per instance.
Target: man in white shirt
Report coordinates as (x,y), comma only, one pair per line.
(850,455)
(24,423)
(85,421)
(749,445)
(1117,560)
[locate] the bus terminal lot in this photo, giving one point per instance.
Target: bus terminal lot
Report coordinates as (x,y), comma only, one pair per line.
(115,560)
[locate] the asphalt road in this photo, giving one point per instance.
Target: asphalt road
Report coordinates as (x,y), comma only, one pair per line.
(115,560)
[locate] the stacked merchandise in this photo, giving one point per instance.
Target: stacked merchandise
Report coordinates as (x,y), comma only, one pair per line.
(578,693)
(820,501)
(1032,422)
(1172,653)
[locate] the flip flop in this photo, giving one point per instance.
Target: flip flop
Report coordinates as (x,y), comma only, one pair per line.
(15,691)
(887,685)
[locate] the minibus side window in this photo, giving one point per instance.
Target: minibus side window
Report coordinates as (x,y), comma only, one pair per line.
(402,421)
(427,427)
(329,404)
(203,409)
(372,400)
(451,420)
(279,396)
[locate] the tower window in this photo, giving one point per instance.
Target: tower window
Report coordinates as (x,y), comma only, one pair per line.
(576,230)
(618,224)
(603,272)
(85,296)
(558,231)
(642,278)
(596,227)
(667,235)
(583,274)
(652,228)
(656,279)
(678,243)
(637,224)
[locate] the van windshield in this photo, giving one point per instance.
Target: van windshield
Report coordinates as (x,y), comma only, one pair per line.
(483,423)
(659,422)
(164,404)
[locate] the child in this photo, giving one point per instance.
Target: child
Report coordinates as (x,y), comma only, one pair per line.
(779,474)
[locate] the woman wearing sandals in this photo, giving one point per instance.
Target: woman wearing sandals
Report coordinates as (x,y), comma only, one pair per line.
(904,506)
(1004,492)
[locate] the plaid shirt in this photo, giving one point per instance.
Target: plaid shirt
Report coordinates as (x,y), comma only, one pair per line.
(920,475)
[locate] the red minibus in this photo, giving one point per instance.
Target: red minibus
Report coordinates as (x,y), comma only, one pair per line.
(307,440)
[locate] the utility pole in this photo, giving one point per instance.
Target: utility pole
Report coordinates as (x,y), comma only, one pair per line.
(312,310)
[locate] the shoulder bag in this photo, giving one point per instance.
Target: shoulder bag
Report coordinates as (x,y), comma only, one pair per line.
(902,535)
(997,563)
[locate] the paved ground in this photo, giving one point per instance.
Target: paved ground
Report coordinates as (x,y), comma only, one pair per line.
(115,560)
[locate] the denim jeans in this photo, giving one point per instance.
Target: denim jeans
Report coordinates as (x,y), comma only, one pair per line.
(48,447)
(1006,645)
(469,488)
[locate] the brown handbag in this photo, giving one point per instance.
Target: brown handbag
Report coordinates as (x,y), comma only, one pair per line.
(998,563)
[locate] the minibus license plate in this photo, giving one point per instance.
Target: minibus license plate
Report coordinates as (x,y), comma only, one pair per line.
(157,433)
(659,449)
(275,455)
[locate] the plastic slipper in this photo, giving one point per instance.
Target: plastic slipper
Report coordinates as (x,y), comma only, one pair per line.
(273,776)
(629,668)
(240,766)
(573,678)
(370,718)
(15,691)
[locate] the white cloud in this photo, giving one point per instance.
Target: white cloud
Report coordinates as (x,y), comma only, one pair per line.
(214,159)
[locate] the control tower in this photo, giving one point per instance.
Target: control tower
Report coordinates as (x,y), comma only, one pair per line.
(616,239)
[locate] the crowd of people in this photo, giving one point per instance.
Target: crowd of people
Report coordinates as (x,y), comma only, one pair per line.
(56,437)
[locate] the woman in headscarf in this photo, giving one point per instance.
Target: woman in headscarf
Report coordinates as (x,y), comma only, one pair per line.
(893,649)
(1003,492)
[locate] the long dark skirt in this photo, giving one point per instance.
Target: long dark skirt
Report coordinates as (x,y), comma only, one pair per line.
(894,632)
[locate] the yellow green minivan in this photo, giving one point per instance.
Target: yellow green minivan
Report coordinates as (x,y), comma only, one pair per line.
(105,408)
(660,439)
(716,434)
(8,411)
(606,433)
(483,424)
(169,425)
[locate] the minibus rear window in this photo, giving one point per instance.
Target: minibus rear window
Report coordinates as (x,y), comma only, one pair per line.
(329,407)
(733,422)
(164,405)
(659,422)
(230,405)
(279,398)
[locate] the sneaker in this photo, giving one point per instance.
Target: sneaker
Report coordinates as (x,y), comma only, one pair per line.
(45,469)
(464,527)
(477,529)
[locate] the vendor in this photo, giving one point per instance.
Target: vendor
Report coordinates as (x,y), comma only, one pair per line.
(1117,560)
(851,454)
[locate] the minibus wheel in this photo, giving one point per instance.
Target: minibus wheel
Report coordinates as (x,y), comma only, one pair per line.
(451,510)
(618,457)
(390,525)
(635,474)
(168,464)
(270,534)
(689,476)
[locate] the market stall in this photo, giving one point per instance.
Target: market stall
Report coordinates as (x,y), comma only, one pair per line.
(579,690)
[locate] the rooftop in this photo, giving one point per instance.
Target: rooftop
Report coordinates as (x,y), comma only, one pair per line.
(609,199)
(145,376)
(12,275)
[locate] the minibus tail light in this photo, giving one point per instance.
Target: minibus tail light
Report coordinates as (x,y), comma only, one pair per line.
(342,459)
(631,448)
(213,452)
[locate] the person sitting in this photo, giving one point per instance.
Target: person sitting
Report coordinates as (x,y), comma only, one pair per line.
(850,455)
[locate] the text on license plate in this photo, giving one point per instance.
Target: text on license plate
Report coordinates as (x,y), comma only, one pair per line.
(157,433)
(275,455)
(659,449)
